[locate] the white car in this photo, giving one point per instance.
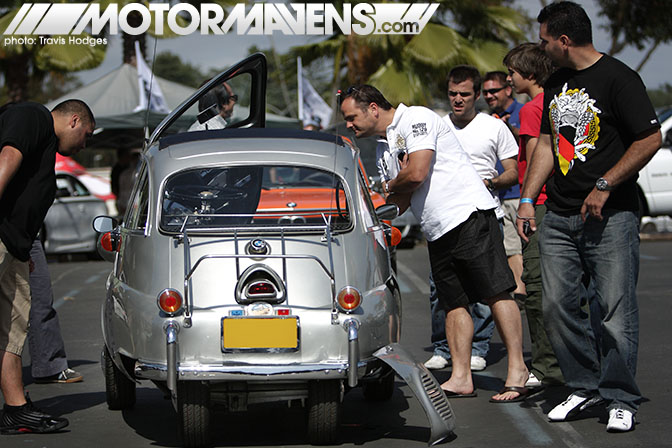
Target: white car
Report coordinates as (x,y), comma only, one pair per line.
(655,179)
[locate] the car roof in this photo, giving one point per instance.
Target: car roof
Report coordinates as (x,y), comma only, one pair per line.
(185,137)
(251,146)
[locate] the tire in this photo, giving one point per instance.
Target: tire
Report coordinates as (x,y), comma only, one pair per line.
(324,411)
(193,409)
(119,390)
(381,389)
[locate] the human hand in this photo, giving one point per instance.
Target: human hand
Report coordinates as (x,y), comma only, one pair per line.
(526,223)
(593,204)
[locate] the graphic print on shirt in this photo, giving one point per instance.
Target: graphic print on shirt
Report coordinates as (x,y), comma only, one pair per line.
(576,126)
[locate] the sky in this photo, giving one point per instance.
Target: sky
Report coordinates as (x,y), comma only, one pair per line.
(208,52)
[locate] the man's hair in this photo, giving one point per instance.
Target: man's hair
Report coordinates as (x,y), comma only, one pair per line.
(530,61)
(364,94)
(567,18)
(498,76)
(79,107)
(463,73)
(217,95)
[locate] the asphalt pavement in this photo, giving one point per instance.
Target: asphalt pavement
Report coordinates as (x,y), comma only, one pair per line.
(400,422)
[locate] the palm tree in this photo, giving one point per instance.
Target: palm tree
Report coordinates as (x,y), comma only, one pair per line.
(19,62)
(410,68)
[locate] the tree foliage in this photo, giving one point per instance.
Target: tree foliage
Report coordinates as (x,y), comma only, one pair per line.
(412,68)
(170,66)
(643,23)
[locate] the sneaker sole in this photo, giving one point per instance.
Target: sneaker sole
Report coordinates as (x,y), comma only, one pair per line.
(15,430)
(69,380)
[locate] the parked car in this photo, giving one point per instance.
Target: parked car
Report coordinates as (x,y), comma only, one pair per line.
(655,179)
(253,267)
(67,226)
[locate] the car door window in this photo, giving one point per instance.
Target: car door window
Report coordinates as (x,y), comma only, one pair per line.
(136,216)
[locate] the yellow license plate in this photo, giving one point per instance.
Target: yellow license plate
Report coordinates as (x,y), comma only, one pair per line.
(260,332)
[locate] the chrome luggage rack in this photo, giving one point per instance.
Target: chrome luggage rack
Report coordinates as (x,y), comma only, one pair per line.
(183,238)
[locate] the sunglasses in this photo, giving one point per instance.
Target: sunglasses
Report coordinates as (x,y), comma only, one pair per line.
(234,98)
(492,91)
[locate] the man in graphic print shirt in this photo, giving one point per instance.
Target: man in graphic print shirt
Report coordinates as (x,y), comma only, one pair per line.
(598,130)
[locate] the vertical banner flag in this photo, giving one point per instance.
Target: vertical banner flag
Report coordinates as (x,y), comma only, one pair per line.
(149,92)
(312,108)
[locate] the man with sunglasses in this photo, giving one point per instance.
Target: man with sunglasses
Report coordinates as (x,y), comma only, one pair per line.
(435,177)
(499,95)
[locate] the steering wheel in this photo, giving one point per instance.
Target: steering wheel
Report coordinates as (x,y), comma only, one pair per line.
(193,195)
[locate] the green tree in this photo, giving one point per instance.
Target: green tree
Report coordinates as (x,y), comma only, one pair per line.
(411,68)
(170,66)
(35,57)
(644,24)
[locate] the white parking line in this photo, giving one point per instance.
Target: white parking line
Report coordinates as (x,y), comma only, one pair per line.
(420,284)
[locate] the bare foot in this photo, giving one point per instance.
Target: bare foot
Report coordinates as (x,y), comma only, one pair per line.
(458,388)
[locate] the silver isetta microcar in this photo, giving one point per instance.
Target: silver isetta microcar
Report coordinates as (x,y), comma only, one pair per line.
(251,266)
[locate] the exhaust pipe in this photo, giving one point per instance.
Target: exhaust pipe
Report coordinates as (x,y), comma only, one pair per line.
(352,325)
(171,328)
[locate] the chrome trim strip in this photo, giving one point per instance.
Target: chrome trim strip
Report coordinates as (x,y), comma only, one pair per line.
(238,372)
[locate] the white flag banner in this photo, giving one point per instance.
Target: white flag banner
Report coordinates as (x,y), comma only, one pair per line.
(312,108)
(149,91)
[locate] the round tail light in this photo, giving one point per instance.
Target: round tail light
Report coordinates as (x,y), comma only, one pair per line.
(395,236)
(349,299)
(106,242)
(170,301)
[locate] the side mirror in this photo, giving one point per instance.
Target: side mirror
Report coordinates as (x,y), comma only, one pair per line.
(104,224)
(387,212)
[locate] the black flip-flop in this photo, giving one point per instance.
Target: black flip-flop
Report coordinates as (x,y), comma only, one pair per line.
(450,394)
(523,394)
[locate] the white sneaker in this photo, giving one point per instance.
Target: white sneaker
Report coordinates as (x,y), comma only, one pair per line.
(436,362)
(478,363)
(532,381)
(620,420)
(571,406)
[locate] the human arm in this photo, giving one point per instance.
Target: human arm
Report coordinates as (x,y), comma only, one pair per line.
(414,169)
(508,177)
(539,168)
(636,156)
(10,161)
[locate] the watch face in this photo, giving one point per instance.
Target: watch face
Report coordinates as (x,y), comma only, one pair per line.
(601,184)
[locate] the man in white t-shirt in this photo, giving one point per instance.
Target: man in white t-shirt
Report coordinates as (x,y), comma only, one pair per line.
(215,108)
(486,140)
(456,211)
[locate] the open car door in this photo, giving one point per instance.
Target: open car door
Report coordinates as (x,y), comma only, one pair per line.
(236,98)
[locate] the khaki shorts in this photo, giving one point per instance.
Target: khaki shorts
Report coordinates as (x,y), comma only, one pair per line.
(512,242)
(14,302)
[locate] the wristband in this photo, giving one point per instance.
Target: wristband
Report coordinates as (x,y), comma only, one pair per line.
(526,201)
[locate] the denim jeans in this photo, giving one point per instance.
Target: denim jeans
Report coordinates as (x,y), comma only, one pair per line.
(483,326)
(607,252)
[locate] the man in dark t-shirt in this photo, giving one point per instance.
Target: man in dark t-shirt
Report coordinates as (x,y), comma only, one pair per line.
(598,130)
(30,135)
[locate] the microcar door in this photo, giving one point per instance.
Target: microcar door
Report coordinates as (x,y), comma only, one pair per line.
(236,98)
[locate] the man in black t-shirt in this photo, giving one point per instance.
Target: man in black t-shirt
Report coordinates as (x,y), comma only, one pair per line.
(598,130)
(29,137)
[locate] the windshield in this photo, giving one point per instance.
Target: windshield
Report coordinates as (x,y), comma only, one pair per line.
(266,197)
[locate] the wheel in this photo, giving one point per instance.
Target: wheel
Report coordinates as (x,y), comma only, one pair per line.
(324,411)
(119,390)
(193,409)
(381,389)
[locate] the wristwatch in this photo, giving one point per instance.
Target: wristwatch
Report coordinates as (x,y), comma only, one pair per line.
(491,185)
(603,185)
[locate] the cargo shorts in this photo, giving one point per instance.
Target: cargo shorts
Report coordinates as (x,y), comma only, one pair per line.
(14,302)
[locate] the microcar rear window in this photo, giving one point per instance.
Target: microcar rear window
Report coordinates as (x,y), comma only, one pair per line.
(267,197)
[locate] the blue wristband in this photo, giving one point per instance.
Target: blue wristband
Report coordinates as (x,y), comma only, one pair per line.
(526,201)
